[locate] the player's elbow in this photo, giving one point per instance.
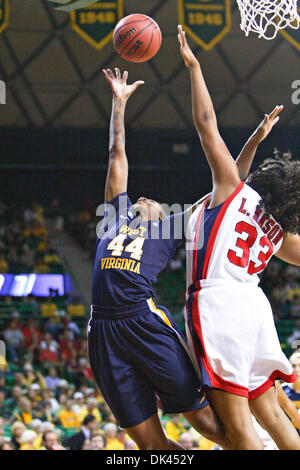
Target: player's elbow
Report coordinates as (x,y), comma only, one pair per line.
(206,120)
(115,150)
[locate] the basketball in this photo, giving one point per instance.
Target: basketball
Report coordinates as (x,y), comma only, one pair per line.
(137,38)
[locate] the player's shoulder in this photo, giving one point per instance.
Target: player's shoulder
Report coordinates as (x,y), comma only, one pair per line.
(121,198)
(250,192)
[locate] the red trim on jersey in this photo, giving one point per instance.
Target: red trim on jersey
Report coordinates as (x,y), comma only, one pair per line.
(277,374)
(194,346)
(215,229)
(216,381)
(195,248)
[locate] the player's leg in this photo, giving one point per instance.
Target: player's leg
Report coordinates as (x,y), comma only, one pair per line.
(233,411)
(206,422)
(125,388)
(174,378)
(149,435)
(272,418)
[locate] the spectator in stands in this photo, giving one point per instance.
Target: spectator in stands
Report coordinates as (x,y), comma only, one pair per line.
(18,377)
(70,325)
(293,390)
(3,264)
(51,441)
(75,308)
(130,445)
(31,376)
(295,336)
(27,440)
(186,441)
(76,441)
(174,428)
(41,267)
(47,396)
(31,332)
(49,350)
(112,442)
(68,417)
(17,430)
(91,409)
(14,339)
(13,400)
(293,289)
(2,383)
(97,441)
(295,308)
(49,308)
(5,412)
(24,412)
(62,399)
(36,425)
(53,327)
(48,413)
(52,379)
(52,259)
(4,445)
(79,406)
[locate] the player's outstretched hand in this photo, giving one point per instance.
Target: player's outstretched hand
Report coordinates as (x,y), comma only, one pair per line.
(119,85)
(268,123)
(185,50)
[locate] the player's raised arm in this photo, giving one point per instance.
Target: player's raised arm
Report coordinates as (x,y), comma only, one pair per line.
(117,175)
(224,170)
(246,157)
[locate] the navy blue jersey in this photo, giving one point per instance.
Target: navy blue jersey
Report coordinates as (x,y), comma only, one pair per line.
(131,253)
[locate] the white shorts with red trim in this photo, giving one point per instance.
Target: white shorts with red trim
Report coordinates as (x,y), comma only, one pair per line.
(233,335)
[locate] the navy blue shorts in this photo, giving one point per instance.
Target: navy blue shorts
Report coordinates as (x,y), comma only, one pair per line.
(135,354)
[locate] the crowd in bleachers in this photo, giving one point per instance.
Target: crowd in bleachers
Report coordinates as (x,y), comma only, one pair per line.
(24,241)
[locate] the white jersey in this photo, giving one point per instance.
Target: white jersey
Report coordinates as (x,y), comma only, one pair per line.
(234,240)
(229,321)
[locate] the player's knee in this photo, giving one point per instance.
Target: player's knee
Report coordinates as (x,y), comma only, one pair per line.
(237,428)
(269,416)
(154,444)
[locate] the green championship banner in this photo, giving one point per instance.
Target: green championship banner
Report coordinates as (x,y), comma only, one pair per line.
(4,14)
(206,21)
(292,35)
(96,23)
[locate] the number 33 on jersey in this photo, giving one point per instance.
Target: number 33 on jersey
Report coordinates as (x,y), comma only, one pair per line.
(232,241)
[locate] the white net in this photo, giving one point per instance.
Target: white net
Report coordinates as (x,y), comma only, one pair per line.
(267,17)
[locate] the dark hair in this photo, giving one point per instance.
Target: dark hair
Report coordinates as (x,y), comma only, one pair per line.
(277,181)
(88,419)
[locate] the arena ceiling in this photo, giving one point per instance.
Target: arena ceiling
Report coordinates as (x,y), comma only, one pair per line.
(54,77)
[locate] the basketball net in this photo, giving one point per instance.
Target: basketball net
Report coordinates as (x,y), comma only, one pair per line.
(267,17)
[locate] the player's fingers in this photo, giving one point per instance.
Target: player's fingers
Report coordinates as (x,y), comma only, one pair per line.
(138,83)
(106,75)
(275,121)
(276,111)
(182,35)
(266,120)
(109,73)
(125,76)
(118,73)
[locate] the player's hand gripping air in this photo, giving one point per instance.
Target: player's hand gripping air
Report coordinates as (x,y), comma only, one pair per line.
(117,175)
(119,85)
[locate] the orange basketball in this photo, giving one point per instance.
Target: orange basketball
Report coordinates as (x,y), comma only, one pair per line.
(137,38)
